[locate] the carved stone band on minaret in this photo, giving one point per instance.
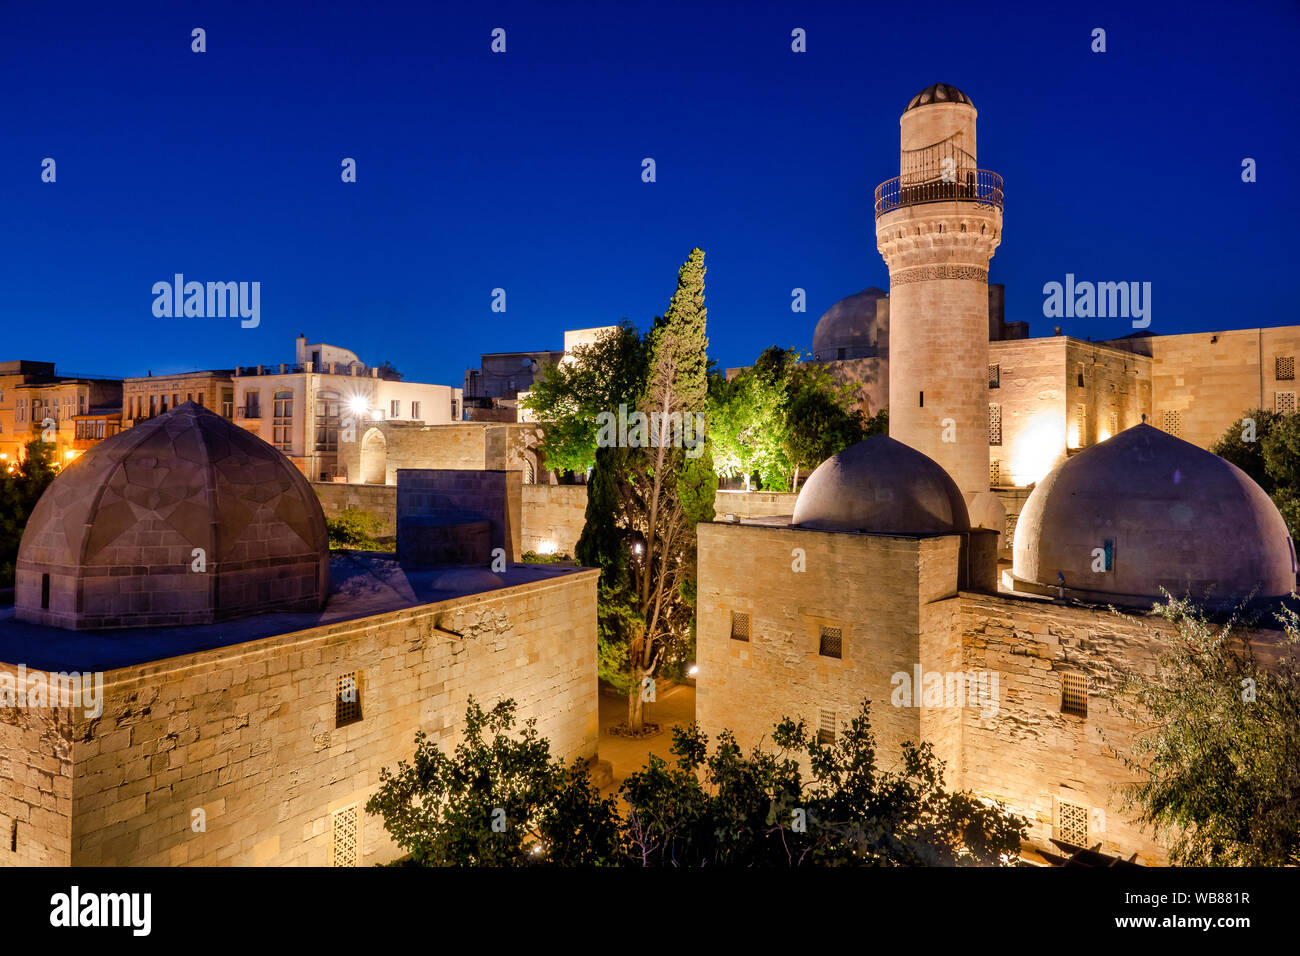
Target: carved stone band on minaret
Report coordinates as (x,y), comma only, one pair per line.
(946,271)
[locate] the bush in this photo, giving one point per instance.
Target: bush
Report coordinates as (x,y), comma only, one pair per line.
(356,530)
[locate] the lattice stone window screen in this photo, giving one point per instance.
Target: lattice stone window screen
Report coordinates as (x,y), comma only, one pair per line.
(995,471)
(1172,422)
(995,424)
(345,837)
(1074,694)
(1284,368)
(1072,824)
(1011,526)
(1284,403)
(832,642)
(347,700)
(1081,418)
(995,376)
(739,626)
(1114,424)
(826,728)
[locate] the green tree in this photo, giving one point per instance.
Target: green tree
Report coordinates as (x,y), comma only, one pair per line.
(747,427)
(569,397)
(353,529)
(1280,449)
(1242,444)
(19,493)
(1217,752)
(823,417)
(498,800)
(732,809)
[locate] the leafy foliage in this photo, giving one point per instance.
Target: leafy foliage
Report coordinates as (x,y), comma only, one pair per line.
(569,396)
(1218,750)
(356,530)
(1271,458)
(729,809)
(498,800)
(721,809)
(19,493)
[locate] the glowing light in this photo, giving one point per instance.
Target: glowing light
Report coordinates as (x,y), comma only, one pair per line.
(1102,435)
(69,454)
(359,404)
(694,669)
(1037,448)
(546,547)
(4,456)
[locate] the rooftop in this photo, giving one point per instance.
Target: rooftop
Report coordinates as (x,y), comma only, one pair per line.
(362,585)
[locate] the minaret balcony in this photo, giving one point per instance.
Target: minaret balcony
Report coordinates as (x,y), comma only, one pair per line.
(980,186)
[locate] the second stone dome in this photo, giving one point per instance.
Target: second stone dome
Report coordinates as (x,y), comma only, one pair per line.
(881,486)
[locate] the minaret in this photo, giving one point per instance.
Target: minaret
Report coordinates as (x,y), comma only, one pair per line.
(937,225)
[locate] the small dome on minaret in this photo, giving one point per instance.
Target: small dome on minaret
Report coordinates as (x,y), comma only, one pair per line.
(938,93)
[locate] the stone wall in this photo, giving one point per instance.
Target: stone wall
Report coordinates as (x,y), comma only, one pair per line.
(553,517)
(378,449)
(754,504)
(379,500)
(35,783)
(248,733)
(1032,756)
(873,588)
(462,496)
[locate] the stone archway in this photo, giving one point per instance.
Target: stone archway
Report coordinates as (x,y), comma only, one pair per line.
(374,457)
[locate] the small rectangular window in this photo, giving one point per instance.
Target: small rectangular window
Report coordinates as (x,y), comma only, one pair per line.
(995,424)
(1074,694)
(1284,368)
(995,471)
(1284,403)
(739,626)
(995,376)
(394,408)
(832,642)
(1072,824)
(347,704)
(415,410)
(922,400)
(45,592)
(826,727)
(1108,550)
(345,837)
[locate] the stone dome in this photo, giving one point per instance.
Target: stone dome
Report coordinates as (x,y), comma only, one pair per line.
(1171,515)
(881,486)
(852,327)
(112,542)
(938,93)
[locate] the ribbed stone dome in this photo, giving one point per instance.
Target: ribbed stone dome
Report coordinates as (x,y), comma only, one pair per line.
(851,328)
(884,487)
(1171,514)
(938,93)
(112,542)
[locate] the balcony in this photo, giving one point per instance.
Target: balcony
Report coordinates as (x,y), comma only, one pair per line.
(980,186)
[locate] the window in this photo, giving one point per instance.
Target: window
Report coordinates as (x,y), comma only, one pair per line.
(1072,824)
(1284,368)
(1108,552)
(1074,694)
(1078,373)
(455,410)
(176,399)
(327,421)
(252,404)
(1114,423)
(45,592)
(1081,419)
(1172,422)
(995,471)
(832,642)
(826,728)
(344,846)
(995,424)
(1284,403)
(739,626)
(347,700)
(995,376)
(841,354)
(1011,527)
(922,405)
(415,410)
(394,409)
(282,423)
(227,403)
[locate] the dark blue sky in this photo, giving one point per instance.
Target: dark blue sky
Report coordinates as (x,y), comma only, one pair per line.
(522,170)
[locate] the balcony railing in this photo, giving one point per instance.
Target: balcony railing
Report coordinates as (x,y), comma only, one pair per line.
(980,186)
